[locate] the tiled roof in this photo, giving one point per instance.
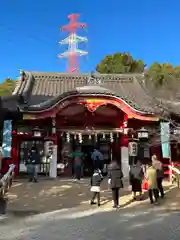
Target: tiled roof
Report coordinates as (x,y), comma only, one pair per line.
(45,89)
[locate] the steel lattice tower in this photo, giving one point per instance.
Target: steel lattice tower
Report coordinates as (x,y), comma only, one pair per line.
(73,40)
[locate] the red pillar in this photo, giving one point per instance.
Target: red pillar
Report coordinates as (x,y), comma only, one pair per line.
(124,147)
(54,138)
(14,152)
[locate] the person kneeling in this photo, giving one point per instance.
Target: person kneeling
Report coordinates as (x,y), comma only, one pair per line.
(96,180)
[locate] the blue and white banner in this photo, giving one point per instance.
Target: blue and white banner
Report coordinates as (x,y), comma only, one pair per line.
(165,139)
(7,138)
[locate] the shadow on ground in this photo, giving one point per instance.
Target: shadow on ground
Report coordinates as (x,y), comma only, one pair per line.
(50,195)
(149,223)
(171,201)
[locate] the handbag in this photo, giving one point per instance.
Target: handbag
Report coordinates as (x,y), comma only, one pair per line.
(145,185)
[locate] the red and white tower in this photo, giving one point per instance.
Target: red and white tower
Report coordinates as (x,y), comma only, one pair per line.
(73,41)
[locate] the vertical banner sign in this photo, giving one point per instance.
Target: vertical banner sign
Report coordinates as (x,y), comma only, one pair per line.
(165,139)
(125,161)
(133,149)
(7,138)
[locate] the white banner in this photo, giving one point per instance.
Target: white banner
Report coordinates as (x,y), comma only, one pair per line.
(53,163)
(133,150)
(125,161)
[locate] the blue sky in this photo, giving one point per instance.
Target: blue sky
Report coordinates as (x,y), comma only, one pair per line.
(30,32)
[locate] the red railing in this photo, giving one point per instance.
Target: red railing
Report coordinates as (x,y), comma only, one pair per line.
(169,171)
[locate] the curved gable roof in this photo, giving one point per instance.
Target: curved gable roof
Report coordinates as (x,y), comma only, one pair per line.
(42,90)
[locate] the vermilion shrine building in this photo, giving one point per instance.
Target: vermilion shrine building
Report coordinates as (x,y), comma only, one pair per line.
(63,110)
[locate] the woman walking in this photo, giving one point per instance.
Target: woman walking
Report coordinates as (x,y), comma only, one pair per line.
(96,180)
(160,174)
(136,177)
(115,176)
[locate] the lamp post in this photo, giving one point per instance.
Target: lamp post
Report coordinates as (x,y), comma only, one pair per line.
(143,149)
(143,134)
(133,151)
(132,147)
(176,131)
(36,132)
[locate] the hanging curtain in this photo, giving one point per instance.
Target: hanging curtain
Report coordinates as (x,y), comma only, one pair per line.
(7,138)
(165,139)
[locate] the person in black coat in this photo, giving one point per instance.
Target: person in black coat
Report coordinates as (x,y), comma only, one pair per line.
(160,174)
(96,180)
(32,164)
(136,177)
(115,176)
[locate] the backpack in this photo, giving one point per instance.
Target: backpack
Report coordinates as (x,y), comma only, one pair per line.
(137,173)
(97,158)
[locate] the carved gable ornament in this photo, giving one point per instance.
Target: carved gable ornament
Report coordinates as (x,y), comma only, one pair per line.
(93,80)
(93,104)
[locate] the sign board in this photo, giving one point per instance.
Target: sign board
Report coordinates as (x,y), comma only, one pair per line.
(7,138)
(48,148)
(133,149)
(28,117)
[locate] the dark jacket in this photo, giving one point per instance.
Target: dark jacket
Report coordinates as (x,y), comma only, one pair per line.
(33,157)
(116,175)
(160,173)
(96,178)
(136,173)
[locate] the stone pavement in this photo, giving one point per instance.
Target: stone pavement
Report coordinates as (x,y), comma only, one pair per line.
(138,220)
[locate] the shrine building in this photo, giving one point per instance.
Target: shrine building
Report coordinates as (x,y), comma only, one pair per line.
(62,111)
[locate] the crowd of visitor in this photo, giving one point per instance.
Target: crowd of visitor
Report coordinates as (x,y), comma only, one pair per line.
(153,176)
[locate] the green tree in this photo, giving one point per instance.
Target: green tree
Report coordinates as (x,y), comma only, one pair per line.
(177,71)
(120,63)
(7,87)
(161,74)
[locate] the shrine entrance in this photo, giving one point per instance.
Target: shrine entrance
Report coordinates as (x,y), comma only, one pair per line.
(108,143)
(87,129)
